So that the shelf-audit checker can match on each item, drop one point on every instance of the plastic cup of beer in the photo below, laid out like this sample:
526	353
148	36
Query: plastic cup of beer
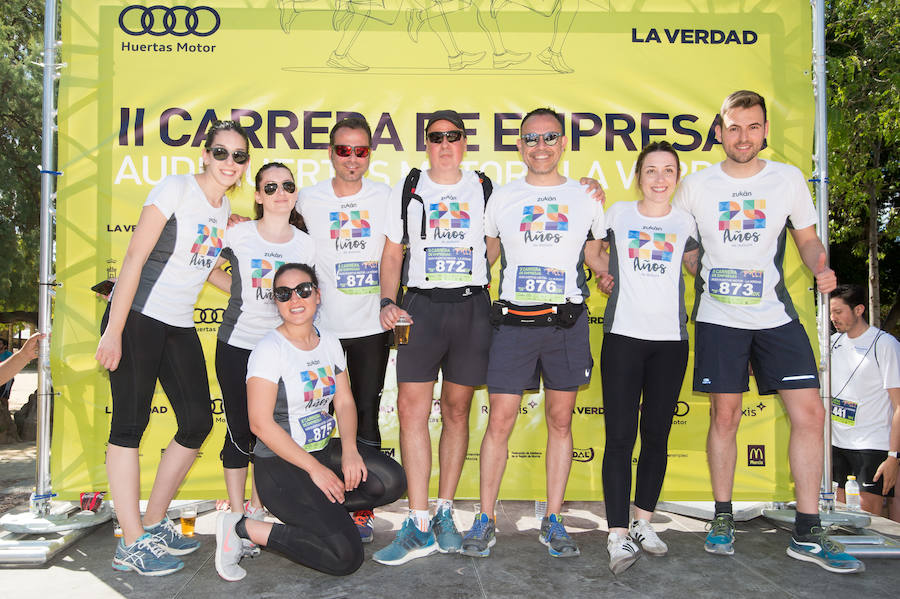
188	520
401	330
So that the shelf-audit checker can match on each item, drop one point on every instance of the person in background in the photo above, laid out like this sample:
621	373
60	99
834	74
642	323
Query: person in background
865	404
11	363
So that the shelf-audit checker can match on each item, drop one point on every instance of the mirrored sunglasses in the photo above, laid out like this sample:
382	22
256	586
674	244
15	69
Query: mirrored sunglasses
437	137
344	151
550	138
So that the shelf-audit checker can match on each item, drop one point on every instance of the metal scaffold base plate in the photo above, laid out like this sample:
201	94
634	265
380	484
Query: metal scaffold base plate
30	540
63	516
862	542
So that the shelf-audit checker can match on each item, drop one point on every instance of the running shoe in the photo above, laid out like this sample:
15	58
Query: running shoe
146	557
445	532
554	536
623	552
229	547
167	535
254	513
478	541
409	544
817	547
363	520
643	533
720	538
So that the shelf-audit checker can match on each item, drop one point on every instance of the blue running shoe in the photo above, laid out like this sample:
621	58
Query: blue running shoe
170	539
363	520
146	557
480	538
817	547
720	538
445	532
409	544
555	537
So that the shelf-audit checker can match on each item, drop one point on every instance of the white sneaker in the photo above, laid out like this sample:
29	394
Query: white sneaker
229	548
254	513
622	552
643	533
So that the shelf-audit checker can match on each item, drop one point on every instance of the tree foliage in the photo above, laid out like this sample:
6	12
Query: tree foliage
21	38
864	141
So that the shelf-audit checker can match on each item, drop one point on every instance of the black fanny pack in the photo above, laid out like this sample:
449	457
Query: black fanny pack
543	315
449	296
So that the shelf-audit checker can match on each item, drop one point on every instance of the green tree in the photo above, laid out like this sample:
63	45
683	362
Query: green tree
21	38
864	144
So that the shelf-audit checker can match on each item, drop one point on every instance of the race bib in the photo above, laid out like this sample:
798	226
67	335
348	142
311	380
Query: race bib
448	264
736	286
357	278
318	428
541	284
843	411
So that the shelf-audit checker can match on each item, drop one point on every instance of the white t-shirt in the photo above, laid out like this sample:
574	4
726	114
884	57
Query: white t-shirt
542	231
306	387
349	236
862	370
743	228
453	253
645	254
184	254
251	311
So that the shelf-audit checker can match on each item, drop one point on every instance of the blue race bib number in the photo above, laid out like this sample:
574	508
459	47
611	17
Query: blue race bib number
736	286
318	428
448	264
843	411
541	284
357	278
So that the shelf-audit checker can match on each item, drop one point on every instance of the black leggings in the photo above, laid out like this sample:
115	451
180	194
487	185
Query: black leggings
317	533
629	367
231	370
154	350
367	359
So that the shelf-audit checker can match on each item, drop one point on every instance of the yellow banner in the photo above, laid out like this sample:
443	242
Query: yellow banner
143	82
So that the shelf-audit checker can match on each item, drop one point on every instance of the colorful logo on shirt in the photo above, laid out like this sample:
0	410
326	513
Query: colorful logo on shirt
449	215
318	384
742	215
262	272
209	241
651	246
549	217
350	224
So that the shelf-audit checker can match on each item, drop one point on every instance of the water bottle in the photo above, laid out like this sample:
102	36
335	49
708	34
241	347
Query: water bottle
540	509
851	490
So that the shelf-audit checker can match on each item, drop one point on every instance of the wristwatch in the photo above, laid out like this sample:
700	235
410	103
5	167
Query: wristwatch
386	301
894	454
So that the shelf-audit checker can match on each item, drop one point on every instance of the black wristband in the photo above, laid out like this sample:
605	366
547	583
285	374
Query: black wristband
386	301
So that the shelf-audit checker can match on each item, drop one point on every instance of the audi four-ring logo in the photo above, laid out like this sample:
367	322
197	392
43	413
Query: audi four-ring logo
175	20
208	315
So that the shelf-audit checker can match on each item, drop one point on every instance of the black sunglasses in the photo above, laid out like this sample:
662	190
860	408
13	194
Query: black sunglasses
303	290
271	187
437	137
550	138
220	153
344	150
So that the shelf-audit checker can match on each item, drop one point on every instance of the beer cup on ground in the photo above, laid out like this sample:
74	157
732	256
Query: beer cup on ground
188	521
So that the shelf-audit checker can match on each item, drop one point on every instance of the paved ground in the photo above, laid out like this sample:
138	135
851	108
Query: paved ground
519	567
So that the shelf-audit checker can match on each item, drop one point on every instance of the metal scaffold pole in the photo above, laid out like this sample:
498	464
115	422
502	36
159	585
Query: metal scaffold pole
35	535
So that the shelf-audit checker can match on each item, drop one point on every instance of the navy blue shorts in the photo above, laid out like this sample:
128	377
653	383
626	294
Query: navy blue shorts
521	356
781	358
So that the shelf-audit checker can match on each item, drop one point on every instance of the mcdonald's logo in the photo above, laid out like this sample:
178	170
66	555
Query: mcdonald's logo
756	455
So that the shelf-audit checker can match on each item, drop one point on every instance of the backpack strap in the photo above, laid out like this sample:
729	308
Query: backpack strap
409	192
486	186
